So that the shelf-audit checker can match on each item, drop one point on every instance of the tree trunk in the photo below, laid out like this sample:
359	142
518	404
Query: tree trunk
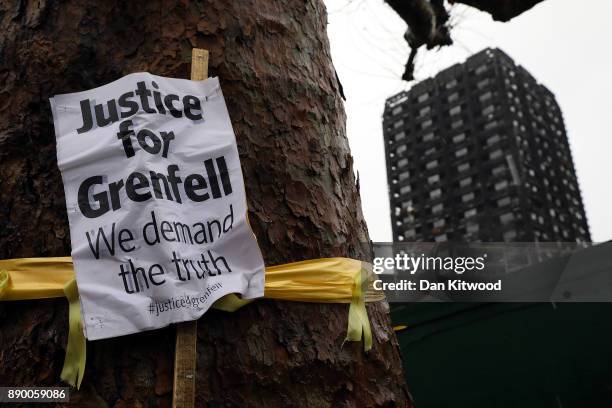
274	63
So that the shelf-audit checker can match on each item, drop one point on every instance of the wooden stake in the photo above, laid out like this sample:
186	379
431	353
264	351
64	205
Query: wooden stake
199	64
185	353
183	393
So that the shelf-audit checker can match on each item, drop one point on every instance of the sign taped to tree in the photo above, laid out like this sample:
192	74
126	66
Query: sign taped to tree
156	202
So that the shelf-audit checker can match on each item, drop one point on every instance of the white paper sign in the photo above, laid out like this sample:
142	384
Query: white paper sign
156	202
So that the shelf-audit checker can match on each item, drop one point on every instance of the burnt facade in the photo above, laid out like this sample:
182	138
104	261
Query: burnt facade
479	153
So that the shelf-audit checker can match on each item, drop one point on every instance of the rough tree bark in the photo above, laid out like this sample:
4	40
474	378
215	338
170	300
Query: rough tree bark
274	62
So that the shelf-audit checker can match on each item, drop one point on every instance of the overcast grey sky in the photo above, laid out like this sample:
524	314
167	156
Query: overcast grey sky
566	46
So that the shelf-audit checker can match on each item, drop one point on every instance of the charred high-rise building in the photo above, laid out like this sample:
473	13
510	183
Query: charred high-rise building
479	153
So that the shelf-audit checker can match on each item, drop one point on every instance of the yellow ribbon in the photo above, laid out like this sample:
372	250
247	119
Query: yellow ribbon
76	351
4	279
36	278
326	280
358	322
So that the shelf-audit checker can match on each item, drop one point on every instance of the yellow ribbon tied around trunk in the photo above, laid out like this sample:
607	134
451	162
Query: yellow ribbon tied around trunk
326	280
